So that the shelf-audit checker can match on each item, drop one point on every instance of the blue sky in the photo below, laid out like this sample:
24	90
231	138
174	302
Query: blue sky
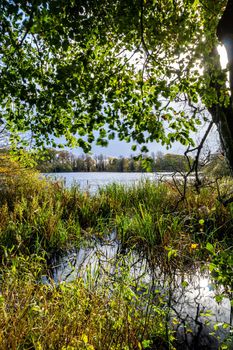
118	148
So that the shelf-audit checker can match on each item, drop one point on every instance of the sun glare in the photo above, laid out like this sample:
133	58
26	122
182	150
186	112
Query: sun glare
223	56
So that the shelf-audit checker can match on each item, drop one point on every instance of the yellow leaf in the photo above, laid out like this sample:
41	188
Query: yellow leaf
195	4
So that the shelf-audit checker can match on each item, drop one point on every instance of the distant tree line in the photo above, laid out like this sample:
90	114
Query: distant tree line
65	161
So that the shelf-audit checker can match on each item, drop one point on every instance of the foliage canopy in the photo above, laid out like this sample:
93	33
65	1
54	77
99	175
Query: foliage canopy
141	69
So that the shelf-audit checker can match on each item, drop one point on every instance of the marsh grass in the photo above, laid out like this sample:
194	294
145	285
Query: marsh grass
40	218
79	314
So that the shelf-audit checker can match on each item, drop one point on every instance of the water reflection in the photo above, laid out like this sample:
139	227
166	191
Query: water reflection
204	282
190	298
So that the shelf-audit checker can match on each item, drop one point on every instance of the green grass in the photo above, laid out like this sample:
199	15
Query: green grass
39	219
39	216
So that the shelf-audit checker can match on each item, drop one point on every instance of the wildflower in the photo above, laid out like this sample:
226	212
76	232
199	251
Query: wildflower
194	246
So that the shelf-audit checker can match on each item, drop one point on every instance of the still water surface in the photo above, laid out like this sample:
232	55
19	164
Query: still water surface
92	181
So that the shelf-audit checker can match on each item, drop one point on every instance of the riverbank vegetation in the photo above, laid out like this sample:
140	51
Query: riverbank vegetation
40	220
39	215
64	161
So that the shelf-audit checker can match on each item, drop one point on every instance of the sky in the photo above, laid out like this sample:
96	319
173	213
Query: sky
118	148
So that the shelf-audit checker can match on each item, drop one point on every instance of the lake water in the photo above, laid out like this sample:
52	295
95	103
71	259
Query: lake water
190	304
92	181
190	296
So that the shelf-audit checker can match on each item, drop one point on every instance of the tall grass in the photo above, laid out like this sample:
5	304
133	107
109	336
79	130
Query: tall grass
40	216
76	315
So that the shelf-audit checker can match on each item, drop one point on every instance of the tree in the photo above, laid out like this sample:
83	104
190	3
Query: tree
171	162
90	163
72	67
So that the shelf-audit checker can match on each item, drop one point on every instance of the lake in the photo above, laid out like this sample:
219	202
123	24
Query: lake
92	181
190	296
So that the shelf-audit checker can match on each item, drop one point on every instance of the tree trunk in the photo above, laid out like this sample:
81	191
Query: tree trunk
223	116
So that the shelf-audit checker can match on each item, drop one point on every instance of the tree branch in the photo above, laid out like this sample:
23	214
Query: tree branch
194	166
28	26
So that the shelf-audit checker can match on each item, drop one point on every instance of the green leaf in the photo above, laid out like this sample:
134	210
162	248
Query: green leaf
184	284
210	247
219	298
146	344
134	147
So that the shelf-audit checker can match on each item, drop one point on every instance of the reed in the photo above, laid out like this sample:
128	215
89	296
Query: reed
40	218
80	314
